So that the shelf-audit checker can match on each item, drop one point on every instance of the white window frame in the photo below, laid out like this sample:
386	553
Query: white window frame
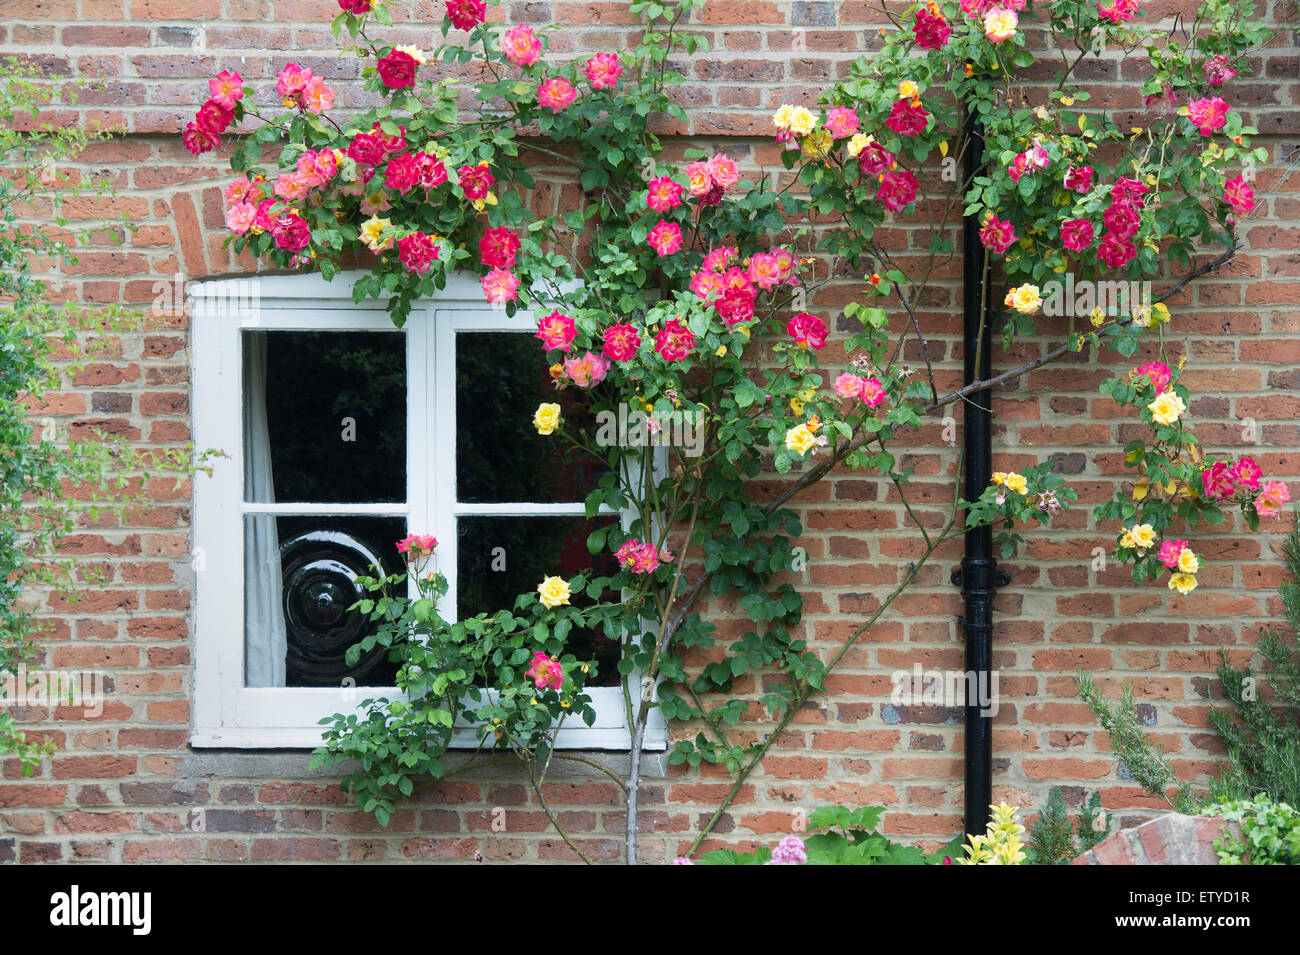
228	714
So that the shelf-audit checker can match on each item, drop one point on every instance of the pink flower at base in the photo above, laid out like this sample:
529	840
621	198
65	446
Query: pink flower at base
1239	195
1246	474
1271	498
1076	234
675	341
789	851
621	342
1159	374
521	46
500	285
1217	482
807	330
1209	113
212	117
545	672
603	71
555	94
1170	552
587	371
557	331
665	193
417	252
665	238
498	248
997	235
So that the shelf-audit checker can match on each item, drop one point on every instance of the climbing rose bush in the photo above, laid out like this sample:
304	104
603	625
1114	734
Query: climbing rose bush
682	291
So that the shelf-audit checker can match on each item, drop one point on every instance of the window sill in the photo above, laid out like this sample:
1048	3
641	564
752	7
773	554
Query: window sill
307	738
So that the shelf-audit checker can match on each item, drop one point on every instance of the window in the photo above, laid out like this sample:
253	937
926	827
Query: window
343	434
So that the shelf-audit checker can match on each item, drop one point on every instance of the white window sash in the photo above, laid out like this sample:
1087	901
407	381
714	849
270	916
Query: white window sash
226	713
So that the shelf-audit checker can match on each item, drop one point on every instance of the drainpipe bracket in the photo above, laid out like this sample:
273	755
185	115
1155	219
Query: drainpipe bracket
1001	578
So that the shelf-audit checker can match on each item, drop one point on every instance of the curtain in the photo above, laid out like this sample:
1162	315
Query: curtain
264	637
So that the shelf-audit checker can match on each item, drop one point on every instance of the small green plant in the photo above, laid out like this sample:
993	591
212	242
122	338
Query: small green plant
1270	832
1143	760
1001	843
1262	736
1052	837
843	836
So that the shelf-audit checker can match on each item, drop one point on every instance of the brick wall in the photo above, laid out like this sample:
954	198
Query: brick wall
126	787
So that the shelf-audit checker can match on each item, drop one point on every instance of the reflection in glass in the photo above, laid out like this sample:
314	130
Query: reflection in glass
499	558
500	457
319	561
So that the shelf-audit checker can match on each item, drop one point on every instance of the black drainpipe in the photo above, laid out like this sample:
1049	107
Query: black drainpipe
978	576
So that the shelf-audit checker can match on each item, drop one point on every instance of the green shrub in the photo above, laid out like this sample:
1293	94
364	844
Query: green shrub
1270	832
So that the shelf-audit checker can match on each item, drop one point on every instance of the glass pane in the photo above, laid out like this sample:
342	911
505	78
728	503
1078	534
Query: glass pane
300	579
501	378
500	558
325	417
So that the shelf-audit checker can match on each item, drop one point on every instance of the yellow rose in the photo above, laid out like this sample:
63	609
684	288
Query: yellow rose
817	145
1024	299
1017	483
857	143
554	592
799	439
802	121
1188	562
1126	540
907	89
999	477
1167	408
1182	582
1144	536
781	118
546	418
371	230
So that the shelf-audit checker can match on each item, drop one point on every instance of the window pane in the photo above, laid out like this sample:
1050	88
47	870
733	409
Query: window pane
500	457
500	558
325	415
300	579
